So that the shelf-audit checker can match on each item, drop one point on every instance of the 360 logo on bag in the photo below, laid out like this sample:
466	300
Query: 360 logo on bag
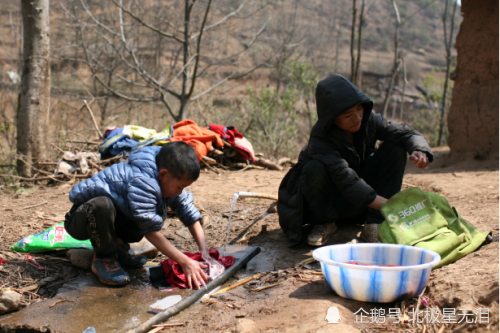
411	210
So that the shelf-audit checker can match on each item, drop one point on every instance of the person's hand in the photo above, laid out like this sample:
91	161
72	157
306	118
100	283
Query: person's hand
378	202
420	159
194	273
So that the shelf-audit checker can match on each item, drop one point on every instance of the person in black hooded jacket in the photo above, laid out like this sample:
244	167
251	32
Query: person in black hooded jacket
340	174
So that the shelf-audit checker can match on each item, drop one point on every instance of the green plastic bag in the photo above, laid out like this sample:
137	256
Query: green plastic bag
54	238
426	220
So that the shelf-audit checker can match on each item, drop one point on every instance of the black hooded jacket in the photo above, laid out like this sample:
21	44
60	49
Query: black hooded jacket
330	145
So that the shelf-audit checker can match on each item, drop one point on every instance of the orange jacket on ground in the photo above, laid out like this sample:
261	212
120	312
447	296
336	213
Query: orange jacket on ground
197	137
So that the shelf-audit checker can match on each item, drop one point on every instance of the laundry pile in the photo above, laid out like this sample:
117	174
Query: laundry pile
215	145
169	275
203	140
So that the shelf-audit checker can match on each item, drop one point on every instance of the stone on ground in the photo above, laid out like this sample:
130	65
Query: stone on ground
9	301
144	248
80	258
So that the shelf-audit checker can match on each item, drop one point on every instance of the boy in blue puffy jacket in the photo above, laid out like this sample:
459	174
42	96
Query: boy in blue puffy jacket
127	201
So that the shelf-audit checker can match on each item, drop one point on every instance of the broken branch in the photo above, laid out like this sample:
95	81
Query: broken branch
210	167
93	119
60	301
169	325
208	160
43	203
265	287
237	284
268	164
45	178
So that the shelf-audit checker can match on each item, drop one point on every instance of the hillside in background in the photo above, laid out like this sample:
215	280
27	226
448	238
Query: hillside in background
285	46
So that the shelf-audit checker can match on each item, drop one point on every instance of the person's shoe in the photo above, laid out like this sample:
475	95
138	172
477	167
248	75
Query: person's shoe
109	271
128	260
320	234
370	233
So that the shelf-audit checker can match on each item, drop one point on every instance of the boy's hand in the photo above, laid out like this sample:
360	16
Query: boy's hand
420	159
192	269
194	273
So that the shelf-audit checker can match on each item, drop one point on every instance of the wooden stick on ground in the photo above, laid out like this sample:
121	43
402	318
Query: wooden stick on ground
235	294
245	168
63	282
19	157
259	195
85	142
45	178
237	284
214	151
4	231
268	164
43	203
60	301
62	151
93	119
47	163
110	160
266	287
209	166
284	160
209	160
306	261
157	329
27	292
169	325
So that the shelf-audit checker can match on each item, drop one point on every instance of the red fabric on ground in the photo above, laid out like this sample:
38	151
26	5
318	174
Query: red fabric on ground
231	136
176	277
197	137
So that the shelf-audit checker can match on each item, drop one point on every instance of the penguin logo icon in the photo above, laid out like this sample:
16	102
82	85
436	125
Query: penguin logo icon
332	315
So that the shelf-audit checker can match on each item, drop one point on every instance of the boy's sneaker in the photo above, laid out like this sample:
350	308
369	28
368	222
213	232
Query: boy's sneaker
128	260
370	233
320	234
109	271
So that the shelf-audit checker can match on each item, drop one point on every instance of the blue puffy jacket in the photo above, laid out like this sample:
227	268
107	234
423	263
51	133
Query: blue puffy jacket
134	189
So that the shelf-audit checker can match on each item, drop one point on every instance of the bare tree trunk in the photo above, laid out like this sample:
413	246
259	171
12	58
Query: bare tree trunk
32	120
358	56
353	33
396	58
447	43
104	106
403	94
338	38
393	114
337	45
188	5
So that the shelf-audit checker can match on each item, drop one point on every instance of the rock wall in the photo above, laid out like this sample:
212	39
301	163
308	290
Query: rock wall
473	115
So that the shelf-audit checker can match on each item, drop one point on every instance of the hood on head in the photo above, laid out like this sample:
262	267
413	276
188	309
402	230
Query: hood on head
335	95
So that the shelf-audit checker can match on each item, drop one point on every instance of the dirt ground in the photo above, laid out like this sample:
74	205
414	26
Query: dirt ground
300	300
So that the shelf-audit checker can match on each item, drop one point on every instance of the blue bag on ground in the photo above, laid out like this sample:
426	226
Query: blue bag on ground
53	238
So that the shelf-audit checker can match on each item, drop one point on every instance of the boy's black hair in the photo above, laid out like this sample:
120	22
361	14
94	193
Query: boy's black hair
179	159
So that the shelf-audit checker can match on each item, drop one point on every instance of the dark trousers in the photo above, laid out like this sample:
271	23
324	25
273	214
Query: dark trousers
324	203
99	221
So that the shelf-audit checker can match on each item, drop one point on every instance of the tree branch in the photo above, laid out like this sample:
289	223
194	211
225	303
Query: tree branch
198	46
145	24
221	21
